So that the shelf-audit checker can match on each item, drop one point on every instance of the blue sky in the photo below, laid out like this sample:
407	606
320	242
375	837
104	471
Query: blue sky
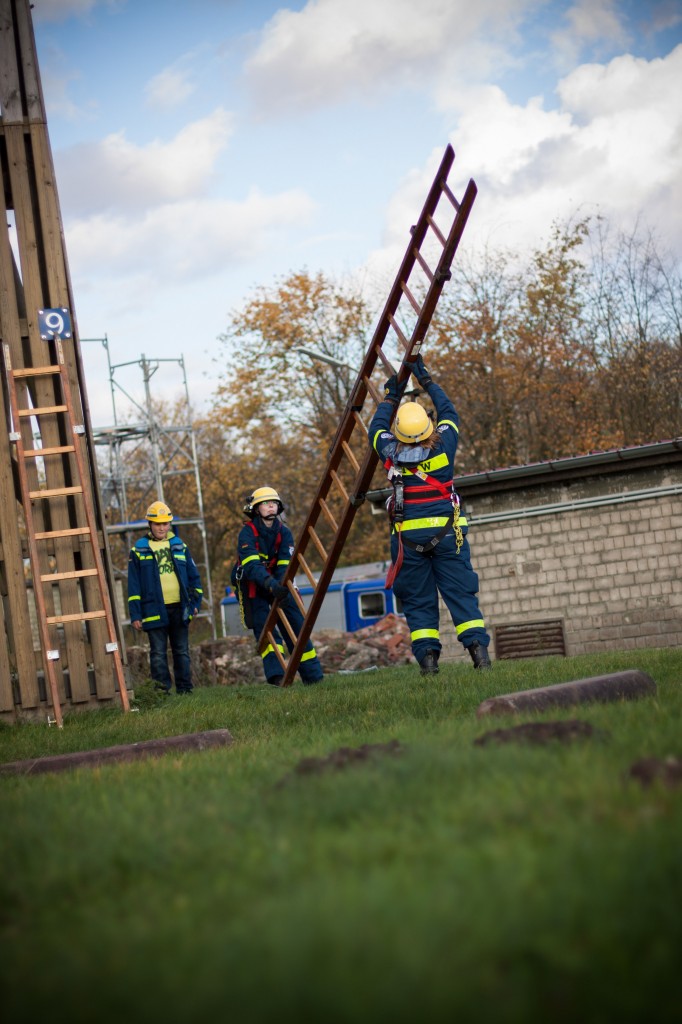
206	148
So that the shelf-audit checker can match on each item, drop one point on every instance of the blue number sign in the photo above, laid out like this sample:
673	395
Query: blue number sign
54	323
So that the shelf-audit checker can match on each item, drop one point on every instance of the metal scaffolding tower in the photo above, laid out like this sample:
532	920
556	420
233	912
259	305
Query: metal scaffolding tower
143	458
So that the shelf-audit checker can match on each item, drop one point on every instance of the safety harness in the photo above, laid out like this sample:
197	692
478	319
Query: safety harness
250	586
396	511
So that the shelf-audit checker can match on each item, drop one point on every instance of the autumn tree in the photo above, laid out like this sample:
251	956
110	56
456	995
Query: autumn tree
573	349
277	410
636	329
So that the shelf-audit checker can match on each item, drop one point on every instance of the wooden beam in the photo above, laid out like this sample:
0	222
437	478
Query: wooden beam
124	752
629	685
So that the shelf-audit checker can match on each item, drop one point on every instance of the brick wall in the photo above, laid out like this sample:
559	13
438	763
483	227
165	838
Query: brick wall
612	573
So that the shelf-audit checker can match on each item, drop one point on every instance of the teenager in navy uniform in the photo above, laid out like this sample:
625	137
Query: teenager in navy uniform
164	595
429	548
264	549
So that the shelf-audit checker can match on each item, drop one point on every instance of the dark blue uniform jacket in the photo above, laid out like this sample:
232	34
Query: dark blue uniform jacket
145	595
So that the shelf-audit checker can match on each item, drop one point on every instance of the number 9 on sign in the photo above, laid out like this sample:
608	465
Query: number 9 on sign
54	323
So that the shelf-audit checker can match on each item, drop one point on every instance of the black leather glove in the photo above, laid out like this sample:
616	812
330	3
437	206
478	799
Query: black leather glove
420	372
278	589
393	391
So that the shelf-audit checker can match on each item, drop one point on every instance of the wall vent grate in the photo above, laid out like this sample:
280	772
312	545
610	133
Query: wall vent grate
530	639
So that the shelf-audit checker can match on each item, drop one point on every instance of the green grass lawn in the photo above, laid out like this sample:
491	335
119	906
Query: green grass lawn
443	881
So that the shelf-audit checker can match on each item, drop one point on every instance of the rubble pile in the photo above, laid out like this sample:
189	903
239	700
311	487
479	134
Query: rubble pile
234	660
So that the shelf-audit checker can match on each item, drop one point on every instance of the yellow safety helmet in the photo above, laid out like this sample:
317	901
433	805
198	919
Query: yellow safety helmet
260	495
412	424
158	512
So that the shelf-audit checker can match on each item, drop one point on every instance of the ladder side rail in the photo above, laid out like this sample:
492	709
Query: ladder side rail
34	557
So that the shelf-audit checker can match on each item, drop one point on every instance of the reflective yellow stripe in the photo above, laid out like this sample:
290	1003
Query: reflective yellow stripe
309	654
134	597
430	523
283	561
271	650
473	624
429	465
424	634
251	558
152	618
450	424
374	442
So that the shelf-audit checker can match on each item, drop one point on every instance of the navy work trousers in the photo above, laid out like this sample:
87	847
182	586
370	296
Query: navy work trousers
420	579
310	669
177	634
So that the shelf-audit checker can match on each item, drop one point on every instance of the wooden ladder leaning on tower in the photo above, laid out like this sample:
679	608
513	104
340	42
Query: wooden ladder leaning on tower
38	541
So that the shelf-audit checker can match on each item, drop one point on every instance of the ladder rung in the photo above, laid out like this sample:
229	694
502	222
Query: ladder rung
52	577
42	411
450	196
386	361
360	423
374	392
55	492
413	302
35	453
423	264
307	571
396	327
436	230
339	483
79	531
318	543
350	455
328	515
78	617
35	371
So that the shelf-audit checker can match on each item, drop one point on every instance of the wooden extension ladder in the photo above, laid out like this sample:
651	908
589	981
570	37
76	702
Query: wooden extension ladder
440	227
91	555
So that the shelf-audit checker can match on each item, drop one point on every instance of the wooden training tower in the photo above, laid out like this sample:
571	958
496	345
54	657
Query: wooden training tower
61	645
348	475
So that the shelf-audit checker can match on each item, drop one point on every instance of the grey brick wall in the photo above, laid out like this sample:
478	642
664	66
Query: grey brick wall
611	573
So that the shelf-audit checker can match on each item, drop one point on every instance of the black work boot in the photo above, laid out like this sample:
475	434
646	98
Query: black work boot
429	663
479	655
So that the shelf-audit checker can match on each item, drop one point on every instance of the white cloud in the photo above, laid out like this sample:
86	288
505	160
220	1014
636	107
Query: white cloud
115	174
613	147
589	21
183	241
333	49
169	88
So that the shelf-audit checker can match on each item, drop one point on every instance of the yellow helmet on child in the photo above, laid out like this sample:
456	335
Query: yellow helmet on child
260	495
412	423
158	512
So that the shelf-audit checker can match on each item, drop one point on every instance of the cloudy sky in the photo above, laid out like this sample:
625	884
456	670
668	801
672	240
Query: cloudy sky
206	148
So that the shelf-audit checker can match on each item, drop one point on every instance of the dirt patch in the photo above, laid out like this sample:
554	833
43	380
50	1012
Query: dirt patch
342	758
649	770
539	733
